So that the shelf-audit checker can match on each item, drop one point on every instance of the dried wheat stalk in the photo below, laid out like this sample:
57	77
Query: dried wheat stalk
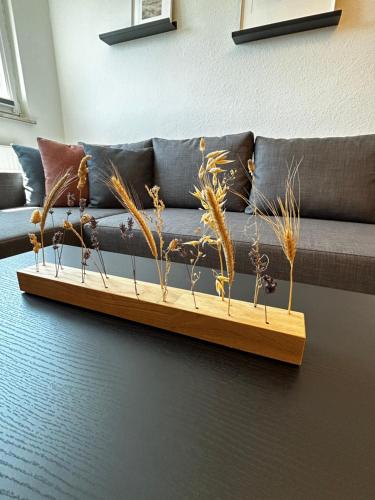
284	218
83	172
118	188
61	184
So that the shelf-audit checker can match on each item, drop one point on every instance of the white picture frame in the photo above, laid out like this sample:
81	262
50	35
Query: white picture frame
146	11
262	12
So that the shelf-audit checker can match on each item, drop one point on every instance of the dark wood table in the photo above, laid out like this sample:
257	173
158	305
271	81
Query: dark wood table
93	407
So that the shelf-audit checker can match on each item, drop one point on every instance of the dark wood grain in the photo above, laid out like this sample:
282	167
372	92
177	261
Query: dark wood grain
97	407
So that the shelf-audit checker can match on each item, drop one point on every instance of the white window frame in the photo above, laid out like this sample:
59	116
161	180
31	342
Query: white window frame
7	54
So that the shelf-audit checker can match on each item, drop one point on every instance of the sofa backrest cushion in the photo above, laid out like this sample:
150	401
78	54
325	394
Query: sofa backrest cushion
57	159
336	175
134	166
133	146
11	190
177	163
33	174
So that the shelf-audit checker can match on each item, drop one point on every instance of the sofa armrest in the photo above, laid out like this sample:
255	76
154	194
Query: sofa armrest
11	190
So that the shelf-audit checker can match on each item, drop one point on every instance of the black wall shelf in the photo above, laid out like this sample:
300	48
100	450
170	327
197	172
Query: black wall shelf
138	31
286	27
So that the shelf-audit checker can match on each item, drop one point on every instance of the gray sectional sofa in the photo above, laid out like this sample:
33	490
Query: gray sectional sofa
15	217
332	252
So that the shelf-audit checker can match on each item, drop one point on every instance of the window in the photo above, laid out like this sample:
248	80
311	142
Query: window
8	160
8	82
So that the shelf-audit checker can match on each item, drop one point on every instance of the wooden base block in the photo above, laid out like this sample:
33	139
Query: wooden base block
283	338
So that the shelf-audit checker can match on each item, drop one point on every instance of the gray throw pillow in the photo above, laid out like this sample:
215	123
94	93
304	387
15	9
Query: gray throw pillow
177	163
337	175
135	168
33	174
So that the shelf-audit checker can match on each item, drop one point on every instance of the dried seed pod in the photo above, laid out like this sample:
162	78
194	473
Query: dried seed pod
36	217
85	219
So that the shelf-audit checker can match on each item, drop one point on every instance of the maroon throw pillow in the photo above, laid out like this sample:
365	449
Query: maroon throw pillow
57	158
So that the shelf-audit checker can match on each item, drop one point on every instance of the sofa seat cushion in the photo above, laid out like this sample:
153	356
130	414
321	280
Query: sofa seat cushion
331	253
15	226
336	174
177	163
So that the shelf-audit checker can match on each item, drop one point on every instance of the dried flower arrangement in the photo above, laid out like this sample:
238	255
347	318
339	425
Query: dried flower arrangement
283	216
269	287
94	239
125	197
212	194
160	254
56	244
40	217
60	186
260	261
82	179
86	253
36	247
214	184
193	251
161	264
127	233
